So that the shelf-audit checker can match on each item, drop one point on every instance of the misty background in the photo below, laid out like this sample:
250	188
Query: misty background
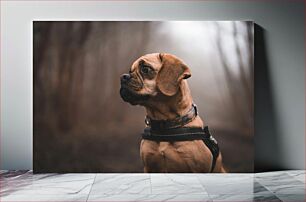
82	125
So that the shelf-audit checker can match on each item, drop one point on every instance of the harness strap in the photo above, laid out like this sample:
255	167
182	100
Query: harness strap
185	134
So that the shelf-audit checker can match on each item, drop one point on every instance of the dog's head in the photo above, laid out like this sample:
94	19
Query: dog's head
152	75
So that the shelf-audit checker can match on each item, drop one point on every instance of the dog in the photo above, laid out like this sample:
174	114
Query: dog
158	82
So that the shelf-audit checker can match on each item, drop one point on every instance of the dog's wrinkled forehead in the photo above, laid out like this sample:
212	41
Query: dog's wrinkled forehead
152	59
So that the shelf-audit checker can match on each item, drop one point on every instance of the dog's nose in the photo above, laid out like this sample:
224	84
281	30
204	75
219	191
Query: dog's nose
125	77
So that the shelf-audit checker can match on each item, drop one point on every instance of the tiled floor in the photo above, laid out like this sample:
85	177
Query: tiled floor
272	186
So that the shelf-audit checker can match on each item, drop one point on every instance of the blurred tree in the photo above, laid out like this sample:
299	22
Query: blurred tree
77	66
240	87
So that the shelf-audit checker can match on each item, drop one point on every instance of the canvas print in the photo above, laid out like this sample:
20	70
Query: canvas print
143	96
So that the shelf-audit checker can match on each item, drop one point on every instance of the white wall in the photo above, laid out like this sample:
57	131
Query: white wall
283	22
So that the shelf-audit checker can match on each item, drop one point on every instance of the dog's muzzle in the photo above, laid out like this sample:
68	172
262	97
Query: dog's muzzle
129	95
125	78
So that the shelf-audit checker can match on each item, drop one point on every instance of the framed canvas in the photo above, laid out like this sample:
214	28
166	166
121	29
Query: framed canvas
85	121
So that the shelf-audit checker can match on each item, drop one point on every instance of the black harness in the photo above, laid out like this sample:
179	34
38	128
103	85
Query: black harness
173	130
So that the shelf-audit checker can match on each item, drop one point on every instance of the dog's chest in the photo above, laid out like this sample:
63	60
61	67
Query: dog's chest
173	157
151	150
163	146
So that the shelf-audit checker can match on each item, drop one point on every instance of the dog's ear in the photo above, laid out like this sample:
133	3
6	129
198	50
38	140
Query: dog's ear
172	72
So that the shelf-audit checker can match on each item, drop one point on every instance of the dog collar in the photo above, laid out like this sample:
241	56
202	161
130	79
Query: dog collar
180	121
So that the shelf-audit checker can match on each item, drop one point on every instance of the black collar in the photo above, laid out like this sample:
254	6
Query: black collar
180	121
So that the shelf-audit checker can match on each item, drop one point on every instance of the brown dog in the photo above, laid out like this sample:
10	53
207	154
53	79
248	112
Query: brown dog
158	82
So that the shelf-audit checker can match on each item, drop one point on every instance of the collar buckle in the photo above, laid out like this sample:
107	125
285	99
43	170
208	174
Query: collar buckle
195	109
147	121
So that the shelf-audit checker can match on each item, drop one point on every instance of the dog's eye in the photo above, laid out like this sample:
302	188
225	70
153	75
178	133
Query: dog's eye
145	69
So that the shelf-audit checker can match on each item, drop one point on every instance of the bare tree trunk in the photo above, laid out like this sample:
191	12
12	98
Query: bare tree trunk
244	78
234	102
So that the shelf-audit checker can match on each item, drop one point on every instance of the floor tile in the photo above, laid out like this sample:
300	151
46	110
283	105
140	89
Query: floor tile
121	184
258	188
3	171
43	198
261	193
150	197
231	197
282	184
48	184
265	196
288	189
273	173
291	197
226	184
298	175
276	175
176	184
15	180
295	171
285	185
14	172
271	186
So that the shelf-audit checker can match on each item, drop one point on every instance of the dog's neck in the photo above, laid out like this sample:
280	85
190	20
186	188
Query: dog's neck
177	105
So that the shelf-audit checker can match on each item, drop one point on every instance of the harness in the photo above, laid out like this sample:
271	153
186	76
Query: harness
173	130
